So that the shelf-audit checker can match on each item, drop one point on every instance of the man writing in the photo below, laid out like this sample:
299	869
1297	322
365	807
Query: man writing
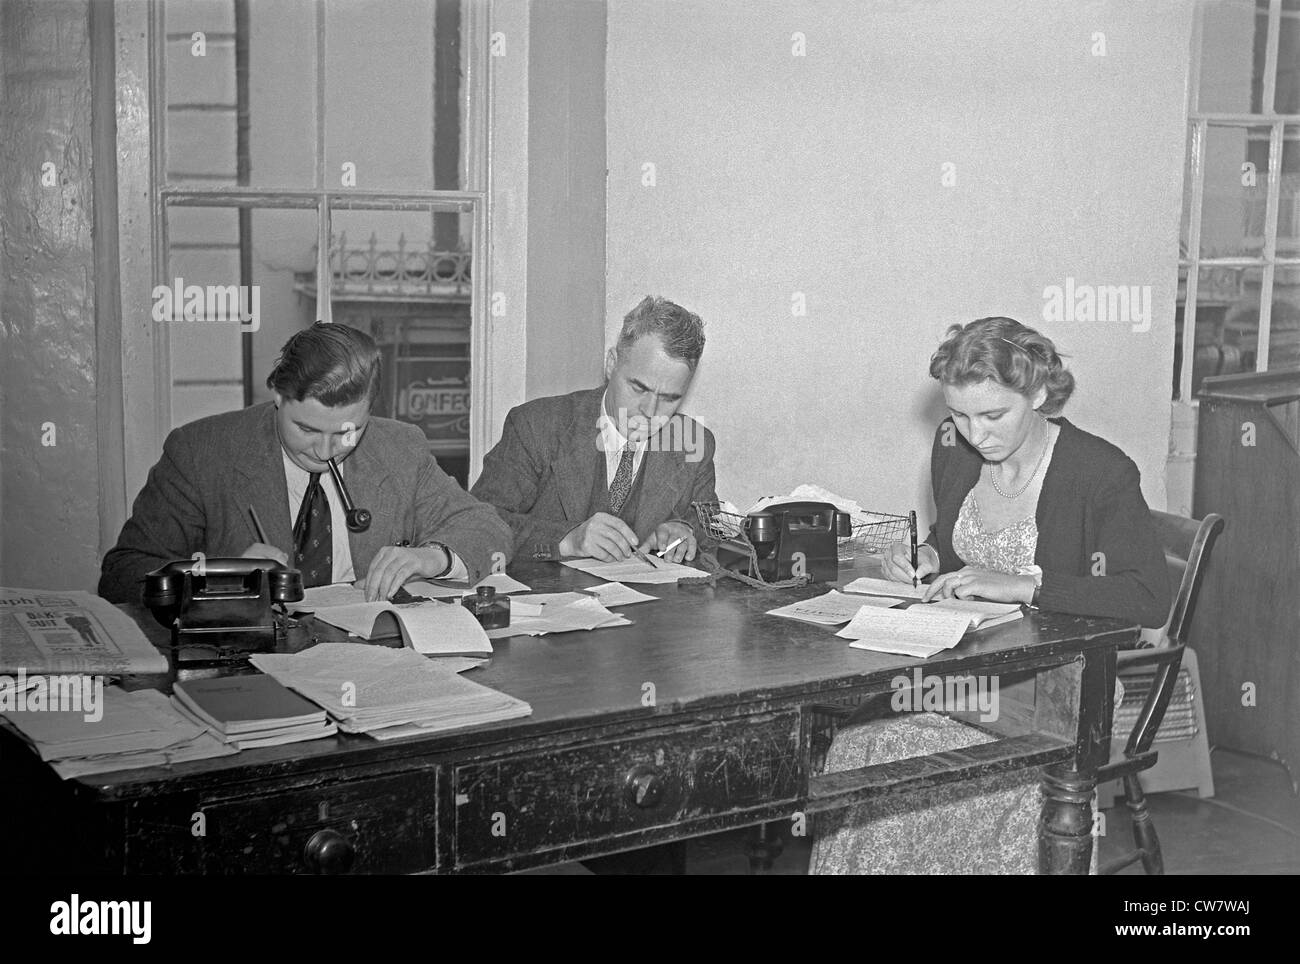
221	477
613	470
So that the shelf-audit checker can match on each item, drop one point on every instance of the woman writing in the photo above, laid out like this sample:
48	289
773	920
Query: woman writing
1030	509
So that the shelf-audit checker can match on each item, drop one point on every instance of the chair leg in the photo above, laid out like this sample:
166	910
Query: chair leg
1144	831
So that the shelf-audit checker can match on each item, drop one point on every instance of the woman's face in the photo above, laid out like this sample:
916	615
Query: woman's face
995	419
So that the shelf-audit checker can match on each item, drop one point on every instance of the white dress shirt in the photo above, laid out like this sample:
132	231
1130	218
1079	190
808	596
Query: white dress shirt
612	441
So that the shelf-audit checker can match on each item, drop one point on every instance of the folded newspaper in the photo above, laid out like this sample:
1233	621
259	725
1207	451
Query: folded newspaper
69	631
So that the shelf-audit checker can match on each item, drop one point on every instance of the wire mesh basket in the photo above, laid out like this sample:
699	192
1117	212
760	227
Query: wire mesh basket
874	535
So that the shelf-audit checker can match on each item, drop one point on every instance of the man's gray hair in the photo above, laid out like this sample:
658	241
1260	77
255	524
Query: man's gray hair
681	331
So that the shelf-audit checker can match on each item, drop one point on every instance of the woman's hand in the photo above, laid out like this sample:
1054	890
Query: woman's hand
970	582
897	563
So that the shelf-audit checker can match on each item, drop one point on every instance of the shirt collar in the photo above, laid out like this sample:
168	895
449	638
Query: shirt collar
611	439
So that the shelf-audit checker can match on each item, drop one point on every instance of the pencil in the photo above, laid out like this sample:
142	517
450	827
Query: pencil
257	524
911	525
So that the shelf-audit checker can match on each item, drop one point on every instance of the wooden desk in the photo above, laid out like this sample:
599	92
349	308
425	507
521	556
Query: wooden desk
696	719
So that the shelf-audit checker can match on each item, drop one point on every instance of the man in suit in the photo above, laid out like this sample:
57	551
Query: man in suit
610	470
271	458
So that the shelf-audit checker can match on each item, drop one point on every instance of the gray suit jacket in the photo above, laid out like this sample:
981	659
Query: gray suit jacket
196	499
540	476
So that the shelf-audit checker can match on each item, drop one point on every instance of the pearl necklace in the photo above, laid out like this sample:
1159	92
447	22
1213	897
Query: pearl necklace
1023	489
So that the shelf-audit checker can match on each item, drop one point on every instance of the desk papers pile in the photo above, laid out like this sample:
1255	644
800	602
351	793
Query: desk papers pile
557	612
388	692
137	729
67	631
635	570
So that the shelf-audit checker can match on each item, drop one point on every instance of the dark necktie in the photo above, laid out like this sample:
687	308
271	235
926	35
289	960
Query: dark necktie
313	537
622	483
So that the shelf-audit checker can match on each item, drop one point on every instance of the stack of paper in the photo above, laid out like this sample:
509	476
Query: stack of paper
388	692
251	710
557	612
815	493
919	631
635	570
137	729
830	609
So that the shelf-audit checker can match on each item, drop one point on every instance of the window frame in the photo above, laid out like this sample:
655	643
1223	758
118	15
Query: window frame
144	198
1199	123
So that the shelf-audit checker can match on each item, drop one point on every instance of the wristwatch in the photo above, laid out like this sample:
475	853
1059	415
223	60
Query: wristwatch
451	560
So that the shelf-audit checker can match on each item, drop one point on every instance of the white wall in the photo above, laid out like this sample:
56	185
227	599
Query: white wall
821	175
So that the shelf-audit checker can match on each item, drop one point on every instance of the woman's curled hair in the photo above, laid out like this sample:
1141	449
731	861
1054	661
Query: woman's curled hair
1011	354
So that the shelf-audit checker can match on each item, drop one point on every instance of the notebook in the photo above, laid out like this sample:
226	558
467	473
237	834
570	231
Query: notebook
246	704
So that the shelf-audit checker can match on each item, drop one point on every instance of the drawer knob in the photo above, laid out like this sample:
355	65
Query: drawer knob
644	787
328	852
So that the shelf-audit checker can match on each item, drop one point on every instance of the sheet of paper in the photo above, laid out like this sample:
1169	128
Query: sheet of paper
981	613
634	570
617	594
501	583
884	587
582	613
830	609
522	607
327	597
923	627
435	628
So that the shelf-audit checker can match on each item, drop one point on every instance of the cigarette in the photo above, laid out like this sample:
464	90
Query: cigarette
672	545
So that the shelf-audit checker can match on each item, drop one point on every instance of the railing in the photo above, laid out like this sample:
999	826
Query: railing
401	273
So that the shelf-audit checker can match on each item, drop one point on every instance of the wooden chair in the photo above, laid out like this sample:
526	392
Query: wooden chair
1187	544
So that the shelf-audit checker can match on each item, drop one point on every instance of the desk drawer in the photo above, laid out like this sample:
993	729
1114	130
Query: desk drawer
524	804
385	824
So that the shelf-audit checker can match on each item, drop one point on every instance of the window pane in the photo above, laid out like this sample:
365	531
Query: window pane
1227	322
379	57
392	278
1284	327
282	93
1236	192
200	81
1287	98
206	248
1288	209
1228	42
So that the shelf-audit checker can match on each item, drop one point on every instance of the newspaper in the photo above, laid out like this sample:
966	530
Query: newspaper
69	631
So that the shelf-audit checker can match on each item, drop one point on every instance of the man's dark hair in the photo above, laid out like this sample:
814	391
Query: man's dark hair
334	364
681	331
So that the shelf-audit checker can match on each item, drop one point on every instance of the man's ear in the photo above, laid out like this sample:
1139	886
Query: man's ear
278	399
611	361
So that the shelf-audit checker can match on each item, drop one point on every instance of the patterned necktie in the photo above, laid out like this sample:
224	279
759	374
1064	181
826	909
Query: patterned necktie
622	484
313	536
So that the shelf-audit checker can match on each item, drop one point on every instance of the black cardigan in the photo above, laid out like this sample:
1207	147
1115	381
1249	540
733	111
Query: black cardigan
1091	502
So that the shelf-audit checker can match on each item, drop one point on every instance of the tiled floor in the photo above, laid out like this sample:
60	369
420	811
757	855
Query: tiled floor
1225	835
